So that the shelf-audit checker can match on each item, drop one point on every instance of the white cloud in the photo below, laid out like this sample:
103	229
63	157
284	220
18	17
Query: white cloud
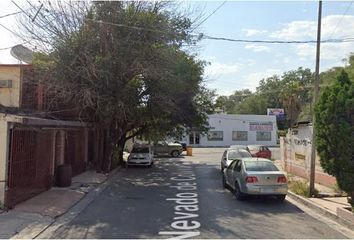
253	32
258	48
254	78
307	30
296	30
329	51
216	68
333	27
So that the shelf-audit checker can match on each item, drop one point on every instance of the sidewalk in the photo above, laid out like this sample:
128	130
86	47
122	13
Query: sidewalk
331	204
29	218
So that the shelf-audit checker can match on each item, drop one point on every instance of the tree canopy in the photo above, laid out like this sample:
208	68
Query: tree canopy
335	131
126	65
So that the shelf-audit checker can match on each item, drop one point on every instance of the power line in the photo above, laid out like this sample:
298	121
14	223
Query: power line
6	48
21	8
349	39
345	13
10	14
14	33
222	4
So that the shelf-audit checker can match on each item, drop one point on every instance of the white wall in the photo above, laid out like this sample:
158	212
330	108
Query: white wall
4	132
232	122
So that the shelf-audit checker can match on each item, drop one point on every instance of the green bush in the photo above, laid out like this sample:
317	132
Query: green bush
335	132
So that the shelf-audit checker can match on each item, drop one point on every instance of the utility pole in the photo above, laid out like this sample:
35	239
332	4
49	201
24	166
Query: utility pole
315	98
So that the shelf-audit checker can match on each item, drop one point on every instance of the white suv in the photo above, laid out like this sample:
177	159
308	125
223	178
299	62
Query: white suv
141	155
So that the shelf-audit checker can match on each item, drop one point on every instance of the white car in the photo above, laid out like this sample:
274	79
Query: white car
141	155
232	154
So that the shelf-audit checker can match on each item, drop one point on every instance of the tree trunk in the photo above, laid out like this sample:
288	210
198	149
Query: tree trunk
107	159
120	148
351	194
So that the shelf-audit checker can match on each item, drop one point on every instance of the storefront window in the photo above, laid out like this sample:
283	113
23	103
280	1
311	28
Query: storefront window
264	136
239	135
215	136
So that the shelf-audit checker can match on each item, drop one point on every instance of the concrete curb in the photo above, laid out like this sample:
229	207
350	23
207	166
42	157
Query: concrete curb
320	210
45	230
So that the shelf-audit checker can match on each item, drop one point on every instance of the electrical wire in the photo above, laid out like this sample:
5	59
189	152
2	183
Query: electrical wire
344	14
222	4
6	48
10	14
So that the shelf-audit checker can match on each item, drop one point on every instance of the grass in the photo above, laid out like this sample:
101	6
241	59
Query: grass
300	188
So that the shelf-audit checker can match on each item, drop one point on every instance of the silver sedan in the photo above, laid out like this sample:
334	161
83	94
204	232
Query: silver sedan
255	176
231	154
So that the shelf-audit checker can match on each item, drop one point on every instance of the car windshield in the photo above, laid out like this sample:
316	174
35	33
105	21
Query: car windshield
253	147
238	154
141	150
238	146
260	166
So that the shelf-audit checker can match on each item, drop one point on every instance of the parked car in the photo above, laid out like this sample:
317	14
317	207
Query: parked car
141	155
260	151
255	176
244	147
165	148
184	145
231	155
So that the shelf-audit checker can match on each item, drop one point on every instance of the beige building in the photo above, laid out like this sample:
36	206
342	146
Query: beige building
10	85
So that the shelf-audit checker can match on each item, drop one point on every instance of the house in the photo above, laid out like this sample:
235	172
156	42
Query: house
34	141
235	129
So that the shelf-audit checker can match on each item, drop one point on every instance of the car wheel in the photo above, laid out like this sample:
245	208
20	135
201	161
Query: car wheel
224	184
281	198
237	192
175	153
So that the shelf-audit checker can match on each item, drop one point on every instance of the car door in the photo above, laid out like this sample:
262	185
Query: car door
159	148
229	173
236	173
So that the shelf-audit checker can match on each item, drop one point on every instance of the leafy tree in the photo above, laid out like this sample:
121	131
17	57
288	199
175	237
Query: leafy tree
125	64
335	131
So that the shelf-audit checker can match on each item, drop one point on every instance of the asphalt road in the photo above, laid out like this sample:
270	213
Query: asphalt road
183	197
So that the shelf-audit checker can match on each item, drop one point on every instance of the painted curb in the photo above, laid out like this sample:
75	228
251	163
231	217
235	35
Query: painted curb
321	210
45	230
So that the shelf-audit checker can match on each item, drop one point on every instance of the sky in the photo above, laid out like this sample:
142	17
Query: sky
234	66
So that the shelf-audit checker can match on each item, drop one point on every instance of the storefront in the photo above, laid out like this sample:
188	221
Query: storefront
232	129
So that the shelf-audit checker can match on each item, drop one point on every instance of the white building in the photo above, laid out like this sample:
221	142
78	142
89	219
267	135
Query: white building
233	129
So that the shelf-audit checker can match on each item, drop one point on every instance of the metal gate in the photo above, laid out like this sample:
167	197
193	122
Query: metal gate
30	164
75	151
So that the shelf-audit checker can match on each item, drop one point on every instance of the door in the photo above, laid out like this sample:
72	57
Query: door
229	173
236	172
194	138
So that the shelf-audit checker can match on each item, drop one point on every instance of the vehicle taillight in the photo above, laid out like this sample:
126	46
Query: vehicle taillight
282	179
251	179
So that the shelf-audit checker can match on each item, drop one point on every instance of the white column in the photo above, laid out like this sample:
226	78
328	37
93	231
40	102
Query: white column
4	156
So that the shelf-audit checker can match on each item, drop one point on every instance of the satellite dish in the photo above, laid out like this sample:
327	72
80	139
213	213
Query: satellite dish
22	53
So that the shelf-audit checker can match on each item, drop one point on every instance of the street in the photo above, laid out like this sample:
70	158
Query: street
183	197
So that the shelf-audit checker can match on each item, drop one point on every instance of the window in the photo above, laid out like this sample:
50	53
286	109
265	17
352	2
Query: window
215	135
264	136
238	154
232	165
260	166
239	135
237	167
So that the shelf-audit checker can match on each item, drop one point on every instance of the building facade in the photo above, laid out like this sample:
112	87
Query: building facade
235	129
38	133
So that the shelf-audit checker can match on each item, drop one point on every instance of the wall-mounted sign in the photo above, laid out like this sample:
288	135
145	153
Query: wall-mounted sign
261	126
278	112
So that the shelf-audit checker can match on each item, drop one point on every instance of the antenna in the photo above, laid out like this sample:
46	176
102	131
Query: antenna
22	53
